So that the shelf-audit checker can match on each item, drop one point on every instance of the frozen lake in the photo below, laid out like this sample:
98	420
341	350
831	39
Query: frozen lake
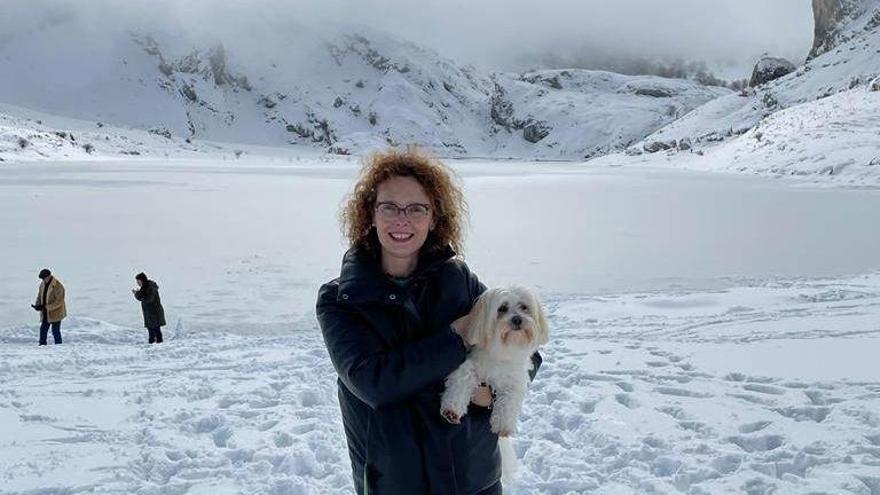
243	246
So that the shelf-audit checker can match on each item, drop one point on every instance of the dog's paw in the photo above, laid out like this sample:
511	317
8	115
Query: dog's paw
451	416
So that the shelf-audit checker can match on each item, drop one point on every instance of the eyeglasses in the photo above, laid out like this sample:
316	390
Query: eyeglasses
412	211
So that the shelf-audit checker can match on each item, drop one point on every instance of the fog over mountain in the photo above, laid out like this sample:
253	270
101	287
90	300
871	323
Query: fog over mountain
491	34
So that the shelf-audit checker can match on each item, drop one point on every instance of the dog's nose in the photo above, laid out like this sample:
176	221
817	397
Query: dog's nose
516	320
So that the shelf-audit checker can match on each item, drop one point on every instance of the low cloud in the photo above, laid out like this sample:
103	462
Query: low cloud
495	34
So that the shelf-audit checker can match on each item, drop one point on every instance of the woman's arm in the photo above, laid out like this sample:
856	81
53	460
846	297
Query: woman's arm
376	375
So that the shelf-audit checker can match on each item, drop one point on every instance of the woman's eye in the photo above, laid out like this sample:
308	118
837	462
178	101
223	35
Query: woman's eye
387	209
502	309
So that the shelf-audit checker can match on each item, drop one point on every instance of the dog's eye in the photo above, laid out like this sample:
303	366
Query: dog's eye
523	307
502	309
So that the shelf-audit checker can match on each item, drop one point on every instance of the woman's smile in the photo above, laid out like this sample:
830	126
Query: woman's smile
401	236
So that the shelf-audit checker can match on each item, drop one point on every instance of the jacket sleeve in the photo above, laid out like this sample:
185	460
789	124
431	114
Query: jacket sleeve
536	363
376	375
57	298
475	287
145	294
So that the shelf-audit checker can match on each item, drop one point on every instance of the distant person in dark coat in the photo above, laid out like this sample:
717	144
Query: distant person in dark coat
50	304
154	316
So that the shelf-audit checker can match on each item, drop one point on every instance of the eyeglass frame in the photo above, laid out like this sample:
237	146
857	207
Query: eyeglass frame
402	209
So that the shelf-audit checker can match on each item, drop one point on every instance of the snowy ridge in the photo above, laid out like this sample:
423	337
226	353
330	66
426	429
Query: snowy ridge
788	105
341	89
766	387
832	137
838	21
350	90
582	113
853	64
832	141
26	135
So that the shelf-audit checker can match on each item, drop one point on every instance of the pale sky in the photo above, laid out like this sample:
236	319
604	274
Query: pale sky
494	34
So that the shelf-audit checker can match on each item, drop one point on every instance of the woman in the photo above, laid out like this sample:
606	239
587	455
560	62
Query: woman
394	322
151	305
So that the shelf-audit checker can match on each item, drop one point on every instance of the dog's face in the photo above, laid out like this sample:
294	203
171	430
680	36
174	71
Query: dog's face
505	318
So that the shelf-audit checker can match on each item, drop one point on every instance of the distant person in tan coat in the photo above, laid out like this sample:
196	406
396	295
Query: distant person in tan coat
50	304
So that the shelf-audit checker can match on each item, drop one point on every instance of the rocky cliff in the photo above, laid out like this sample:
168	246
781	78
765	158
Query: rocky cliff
837	21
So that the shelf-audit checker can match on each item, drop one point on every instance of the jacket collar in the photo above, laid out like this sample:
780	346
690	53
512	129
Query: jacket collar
361	278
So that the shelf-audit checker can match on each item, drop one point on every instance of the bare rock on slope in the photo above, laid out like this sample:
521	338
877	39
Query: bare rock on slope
770	68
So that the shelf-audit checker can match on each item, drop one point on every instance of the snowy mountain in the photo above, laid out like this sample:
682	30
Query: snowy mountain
851	65
838	21
786	126
340	89
153	89
27	135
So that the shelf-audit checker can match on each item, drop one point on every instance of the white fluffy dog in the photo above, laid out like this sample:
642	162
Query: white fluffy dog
507	326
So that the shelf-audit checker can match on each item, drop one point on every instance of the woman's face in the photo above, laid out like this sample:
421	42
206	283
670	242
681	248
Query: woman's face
402	235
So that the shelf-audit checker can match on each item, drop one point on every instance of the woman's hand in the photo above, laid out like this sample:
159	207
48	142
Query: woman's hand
482	396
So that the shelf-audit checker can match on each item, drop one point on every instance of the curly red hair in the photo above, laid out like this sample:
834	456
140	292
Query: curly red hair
440	183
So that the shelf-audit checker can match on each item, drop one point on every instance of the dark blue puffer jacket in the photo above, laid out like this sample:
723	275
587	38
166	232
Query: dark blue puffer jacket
392	348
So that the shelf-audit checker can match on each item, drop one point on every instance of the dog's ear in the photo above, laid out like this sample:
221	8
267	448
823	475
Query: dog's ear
542	332
482	320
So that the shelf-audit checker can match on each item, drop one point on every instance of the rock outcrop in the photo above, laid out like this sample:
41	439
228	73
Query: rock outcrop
536	130
501	109
210	64
832	19
770	68
826	17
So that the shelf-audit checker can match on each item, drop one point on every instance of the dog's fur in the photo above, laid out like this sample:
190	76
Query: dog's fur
507	326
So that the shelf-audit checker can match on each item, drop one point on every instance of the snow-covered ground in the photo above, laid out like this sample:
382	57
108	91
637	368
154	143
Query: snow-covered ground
763	388
766	388
705	336
832	142
28	136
